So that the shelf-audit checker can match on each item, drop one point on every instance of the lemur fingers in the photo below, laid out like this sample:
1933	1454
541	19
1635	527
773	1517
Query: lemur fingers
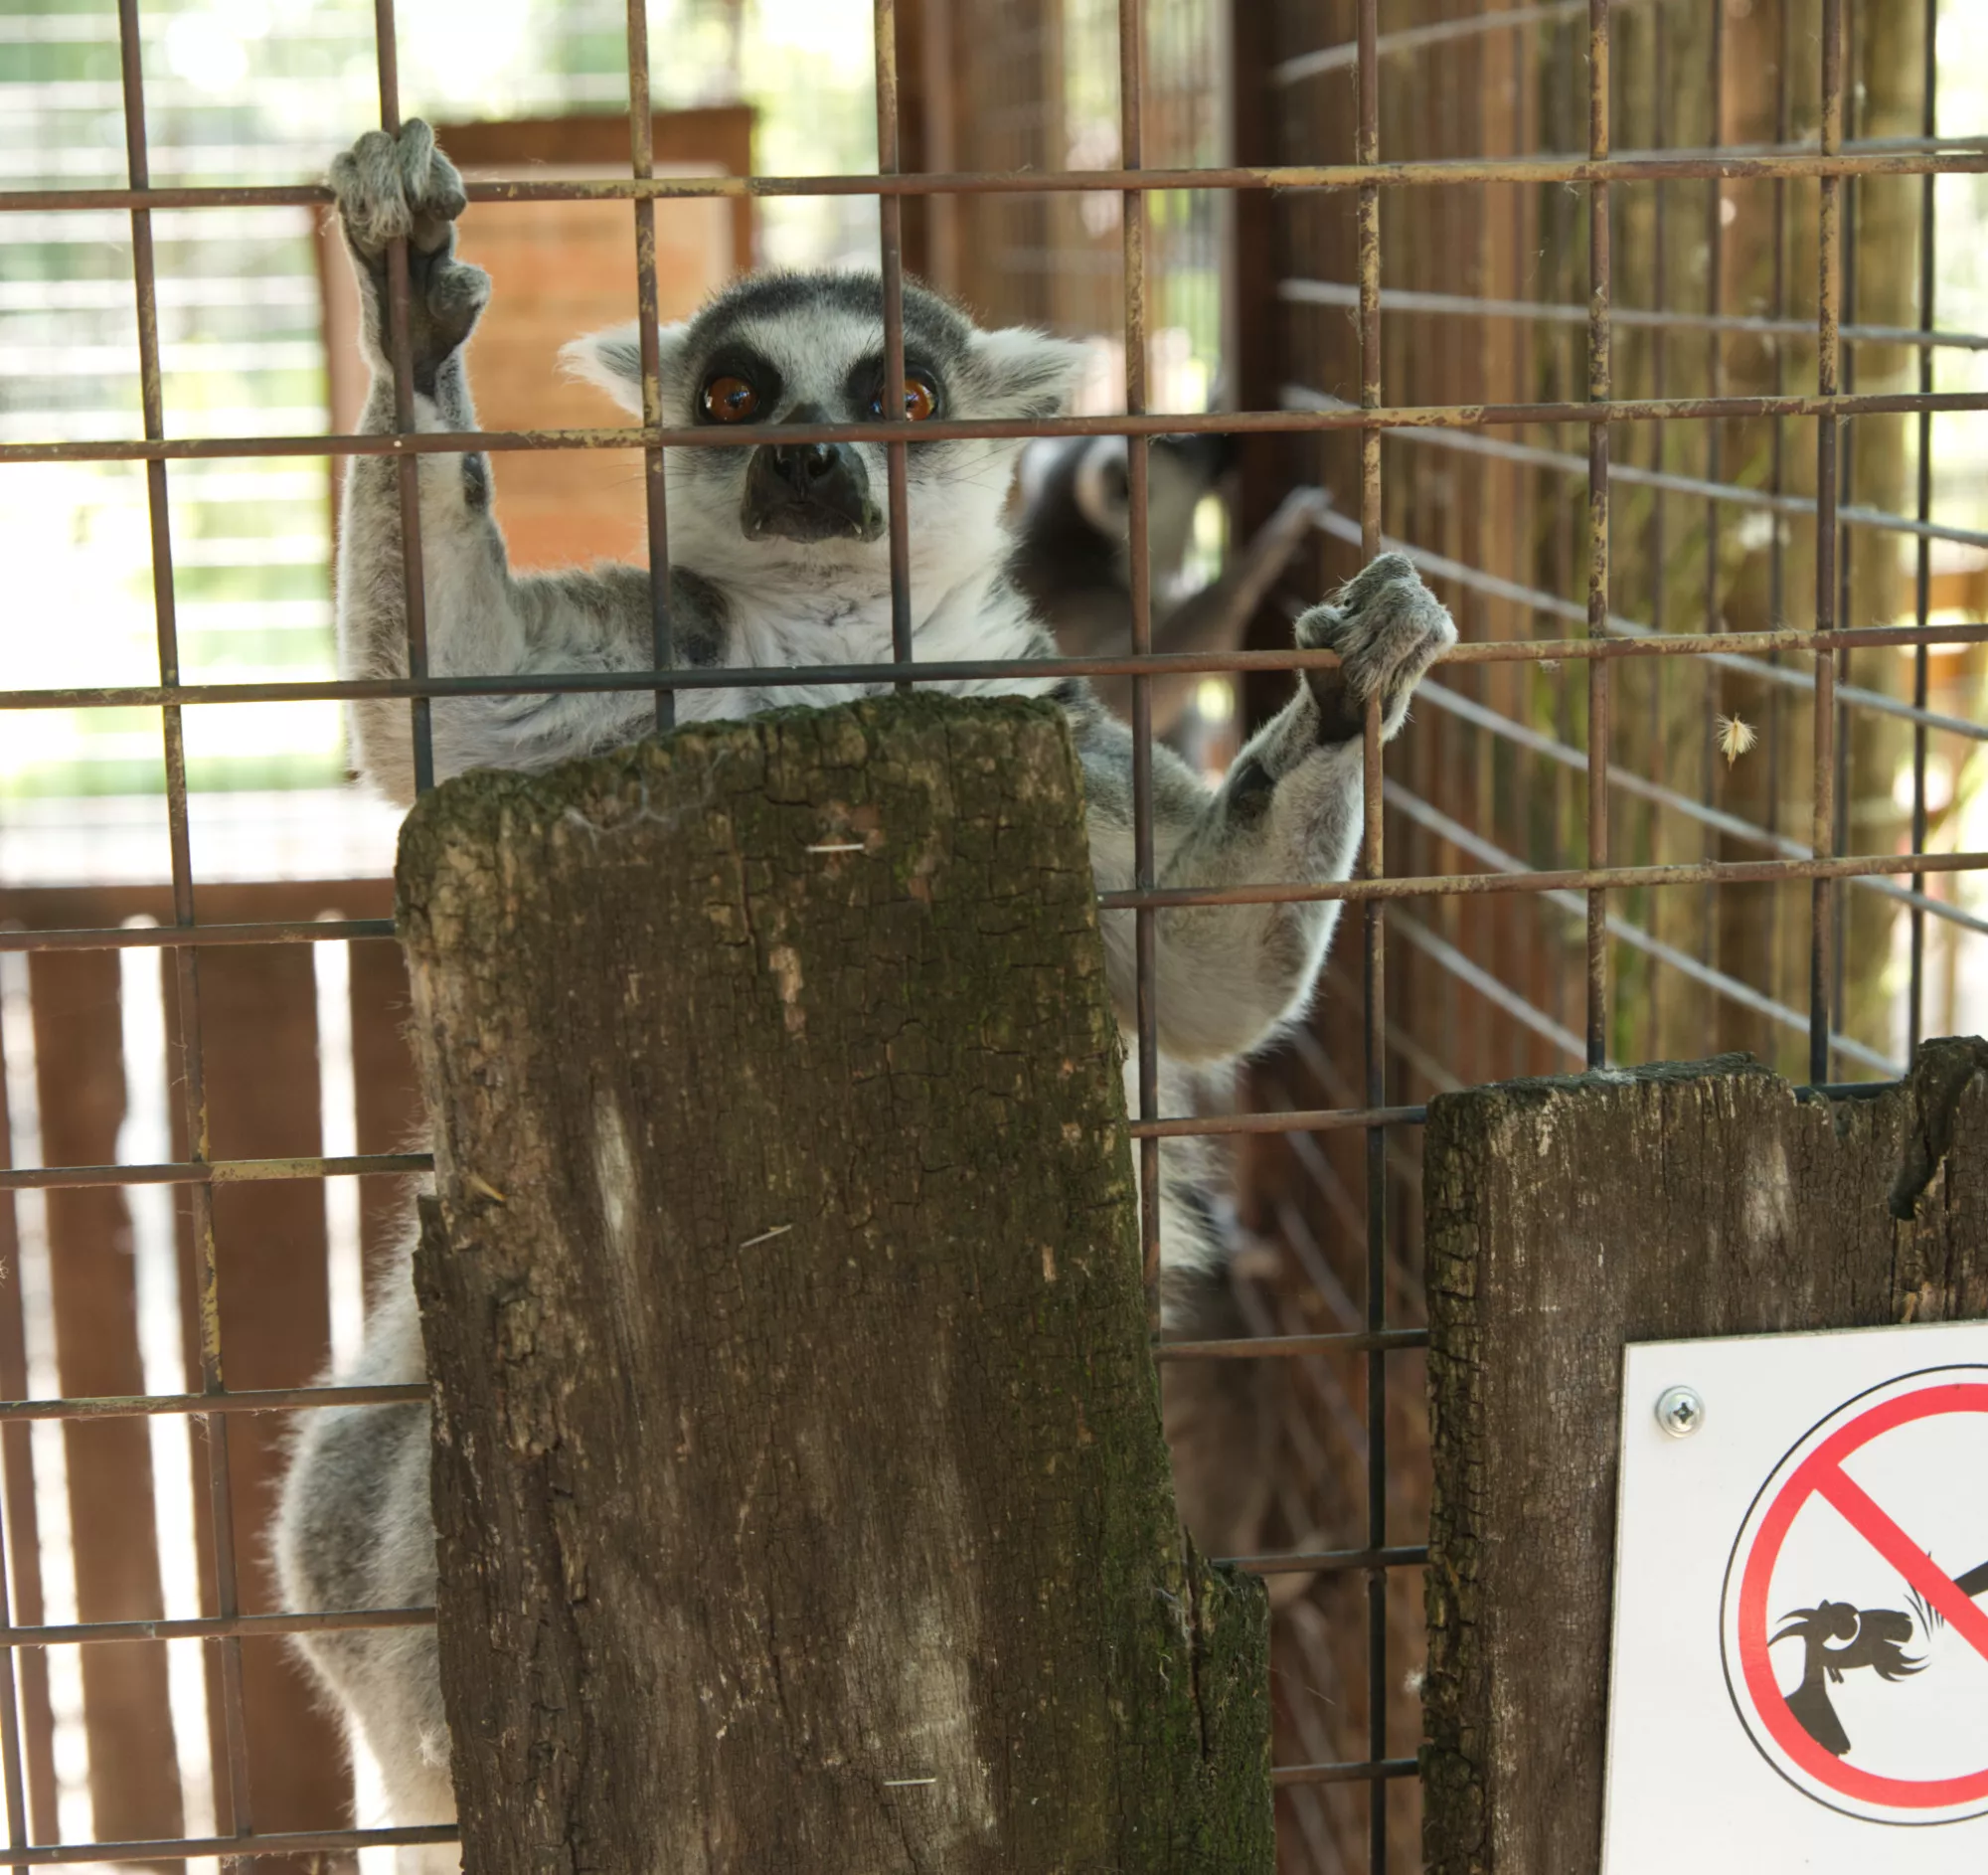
390	187
1388	628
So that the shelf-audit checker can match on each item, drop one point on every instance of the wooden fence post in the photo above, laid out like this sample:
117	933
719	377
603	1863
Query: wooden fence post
1564	1219
801	1497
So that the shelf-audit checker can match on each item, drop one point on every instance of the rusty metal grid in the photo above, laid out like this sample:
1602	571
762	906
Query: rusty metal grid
1604	640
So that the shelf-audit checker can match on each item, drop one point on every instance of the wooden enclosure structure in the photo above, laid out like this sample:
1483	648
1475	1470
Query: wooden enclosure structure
799	1482
1672	1203
261	1005
1357	301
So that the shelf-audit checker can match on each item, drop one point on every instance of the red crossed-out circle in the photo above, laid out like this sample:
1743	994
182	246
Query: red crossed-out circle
1821	1474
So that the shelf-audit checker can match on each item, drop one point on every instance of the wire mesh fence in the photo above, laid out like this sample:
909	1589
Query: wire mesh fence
1589	885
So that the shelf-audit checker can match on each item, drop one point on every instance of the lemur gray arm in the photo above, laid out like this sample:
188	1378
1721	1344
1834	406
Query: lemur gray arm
481	620
1288	811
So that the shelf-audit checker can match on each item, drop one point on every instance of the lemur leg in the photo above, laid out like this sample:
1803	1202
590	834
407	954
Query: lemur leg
480	621
1289	811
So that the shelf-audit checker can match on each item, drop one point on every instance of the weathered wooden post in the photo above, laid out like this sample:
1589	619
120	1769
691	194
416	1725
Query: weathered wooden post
1565	1219
800	1482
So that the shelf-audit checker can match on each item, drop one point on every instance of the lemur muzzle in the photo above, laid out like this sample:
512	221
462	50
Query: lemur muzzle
810	491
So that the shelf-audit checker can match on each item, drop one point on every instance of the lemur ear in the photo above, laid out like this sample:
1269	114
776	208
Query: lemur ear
613	360
1024	373
1101	485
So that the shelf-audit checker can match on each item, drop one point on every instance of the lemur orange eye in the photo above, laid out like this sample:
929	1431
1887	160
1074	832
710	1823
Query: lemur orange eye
729	400
920	397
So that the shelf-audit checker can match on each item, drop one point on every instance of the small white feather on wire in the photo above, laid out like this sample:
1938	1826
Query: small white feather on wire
1736	738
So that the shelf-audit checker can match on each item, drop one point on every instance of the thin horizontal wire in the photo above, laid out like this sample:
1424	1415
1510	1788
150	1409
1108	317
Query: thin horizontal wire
167	937
1572	879
260	1400
216	1628
1469	972
1331	415
1450	701
1635	936
1633	639
234	1848
401	1164
1317	1119
1286	1346
1863	699
1185	1127
1737	493
1358	1771
89	29
1472	305
1719	648
411	1393
1907	157
213	1171
1346	54
1329	1562
1712	872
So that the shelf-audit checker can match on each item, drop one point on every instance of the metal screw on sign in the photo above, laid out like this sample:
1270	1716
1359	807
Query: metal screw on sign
1680	1412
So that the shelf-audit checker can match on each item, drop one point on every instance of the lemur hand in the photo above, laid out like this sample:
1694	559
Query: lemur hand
405	185
1388	628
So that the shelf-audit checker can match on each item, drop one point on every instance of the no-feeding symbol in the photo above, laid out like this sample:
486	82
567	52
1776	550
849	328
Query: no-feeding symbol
1855	1614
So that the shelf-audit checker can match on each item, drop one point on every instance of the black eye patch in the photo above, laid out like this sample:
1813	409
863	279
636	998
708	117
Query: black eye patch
737	365
925	390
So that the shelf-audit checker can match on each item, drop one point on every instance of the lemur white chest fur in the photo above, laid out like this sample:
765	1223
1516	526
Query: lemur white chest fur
833	613
781	561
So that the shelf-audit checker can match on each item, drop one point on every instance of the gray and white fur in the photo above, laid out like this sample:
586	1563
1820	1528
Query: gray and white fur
778	560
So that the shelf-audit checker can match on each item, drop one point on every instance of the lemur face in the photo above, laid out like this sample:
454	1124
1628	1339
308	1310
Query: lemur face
808	348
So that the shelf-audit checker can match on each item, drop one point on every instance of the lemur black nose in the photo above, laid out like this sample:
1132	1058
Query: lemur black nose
809	491
805	463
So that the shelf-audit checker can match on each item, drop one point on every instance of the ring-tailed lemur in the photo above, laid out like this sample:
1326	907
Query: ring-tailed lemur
778	559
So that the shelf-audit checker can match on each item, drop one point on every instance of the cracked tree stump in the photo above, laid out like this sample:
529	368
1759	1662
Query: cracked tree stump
801	1497
1564	1219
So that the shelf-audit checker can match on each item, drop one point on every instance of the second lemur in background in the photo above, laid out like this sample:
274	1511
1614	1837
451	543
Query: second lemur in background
1072	555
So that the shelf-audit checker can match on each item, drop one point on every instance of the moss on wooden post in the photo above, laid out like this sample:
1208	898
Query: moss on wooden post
801	1497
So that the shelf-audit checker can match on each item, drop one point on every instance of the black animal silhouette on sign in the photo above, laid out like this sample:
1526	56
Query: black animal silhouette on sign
1837	1639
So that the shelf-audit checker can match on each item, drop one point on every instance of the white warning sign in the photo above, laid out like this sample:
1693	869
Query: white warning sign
1800	1671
